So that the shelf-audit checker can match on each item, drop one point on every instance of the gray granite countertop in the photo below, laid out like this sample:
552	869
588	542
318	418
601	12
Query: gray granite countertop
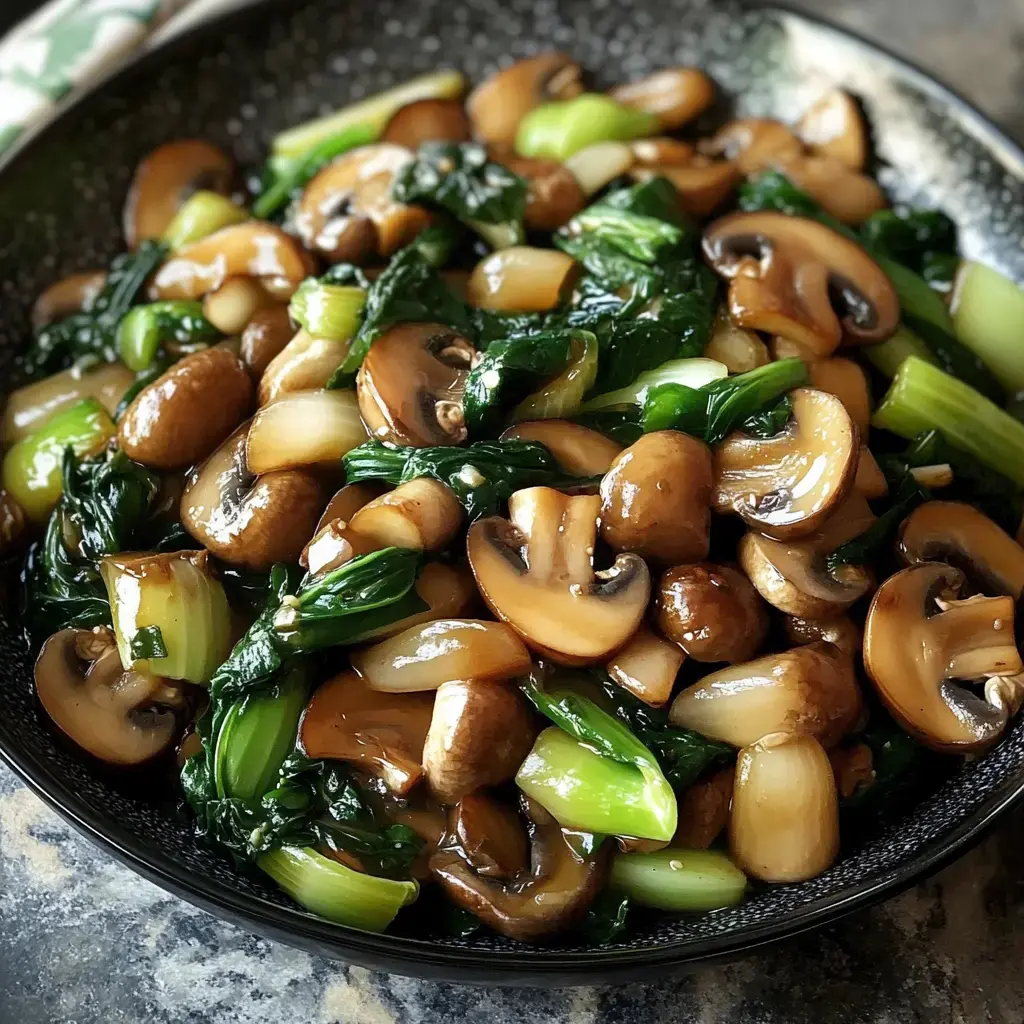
84	941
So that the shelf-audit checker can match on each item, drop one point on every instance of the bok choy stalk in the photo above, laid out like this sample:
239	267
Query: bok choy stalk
328	310
592	773
146	329
558	129
202	214
482	475
690	373
922	397
679	880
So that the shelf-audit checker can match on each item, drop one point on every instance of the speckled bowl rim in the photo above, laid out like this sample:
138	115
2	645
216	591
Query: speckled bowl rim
528	966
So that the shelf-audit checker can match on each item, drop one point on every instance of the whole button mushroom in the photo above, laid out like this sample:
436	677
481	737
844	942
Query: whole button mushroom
656	498
711	611
179	419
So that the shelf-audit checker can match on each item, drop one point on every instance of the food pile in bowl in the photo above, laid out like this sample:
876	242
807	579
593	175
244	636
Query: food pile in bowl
528	504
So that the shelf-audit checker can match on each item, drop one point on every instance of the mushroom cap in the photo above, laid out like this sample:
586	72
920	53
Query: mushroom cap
578	450
497	105
752	143
674	95
251	522
647	667
165	179
834	127
840	630
535	571
427	120
788	485
962	536
914	657
798	278
411	383
704	811
123	718
553	193
491	836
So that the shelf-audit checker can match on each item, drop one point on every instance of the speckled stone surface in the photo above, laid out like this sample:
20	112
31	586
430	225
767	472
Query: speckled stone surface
83	941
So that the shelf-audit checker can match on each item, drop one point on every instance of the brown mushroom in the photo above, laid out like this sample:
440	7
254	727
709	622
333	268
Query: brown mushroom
794	576
656	498
579	451
181	417
522	279
703	185
738	349
800	279
788	485
425	656
808	690
71	294
411	383
711	611
230	307
490	836
919	639
427	120
496	106
834	127
704	811
784	825
123	718
346	212
253	249
674	95
647	667
846	195
849	383
553	194
870	481
752	143
247	521
265	337
479	735
536	572
303	364
599	164
852	768
841	631
563	878
381	733
962	536
165	179
347	501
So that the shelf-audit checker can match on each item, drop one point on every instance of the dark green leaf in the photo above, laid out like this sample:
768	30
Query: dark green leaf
148	642
647	239
657	197
923	240
621	426
770	421
606	917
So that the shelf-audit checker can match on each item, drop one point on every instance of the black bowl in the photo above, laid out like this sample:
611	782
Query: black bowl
239	81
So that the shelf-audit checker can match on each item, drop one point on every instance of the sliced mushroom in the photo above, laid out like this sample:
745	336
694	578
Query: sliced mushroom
711	611
849	383
870	481
674	95
250	522
846	195
808	690
553	196
264	338
561	882
789	484
656	498
181	417
123	718
491	836
303	364
479	735
960	535
71	294
349	500
794	576
834	127
579	451
346	212
797	278
647	667
381	733
411	383
752	143
165	179
738	349
422	514
703	185
536	572
522	279
784	825
704	811
424	657
918	640
841	631
253	249
497	105
430	120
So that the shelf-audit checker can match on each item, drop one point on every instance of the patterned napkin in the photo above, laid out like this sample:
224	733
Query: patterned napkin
70	45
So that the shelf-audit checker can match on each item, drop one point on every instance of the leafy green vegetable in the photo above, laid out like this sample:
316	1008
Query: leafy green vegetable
606	917
923	240
621	425
328	310
770	421
711	412
955	358
657	197
644	238
482	475
92	333
509	371
336	608
409	290
148	642
458	177
558	129
201	215
145	329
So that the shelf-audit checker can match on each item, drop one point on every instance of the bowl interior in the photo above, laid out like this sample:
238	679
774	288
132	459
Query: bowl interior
239	83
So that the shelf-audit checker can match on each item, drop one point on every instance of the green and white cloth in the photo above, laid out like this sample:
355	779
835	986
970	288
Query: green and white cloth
70	45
